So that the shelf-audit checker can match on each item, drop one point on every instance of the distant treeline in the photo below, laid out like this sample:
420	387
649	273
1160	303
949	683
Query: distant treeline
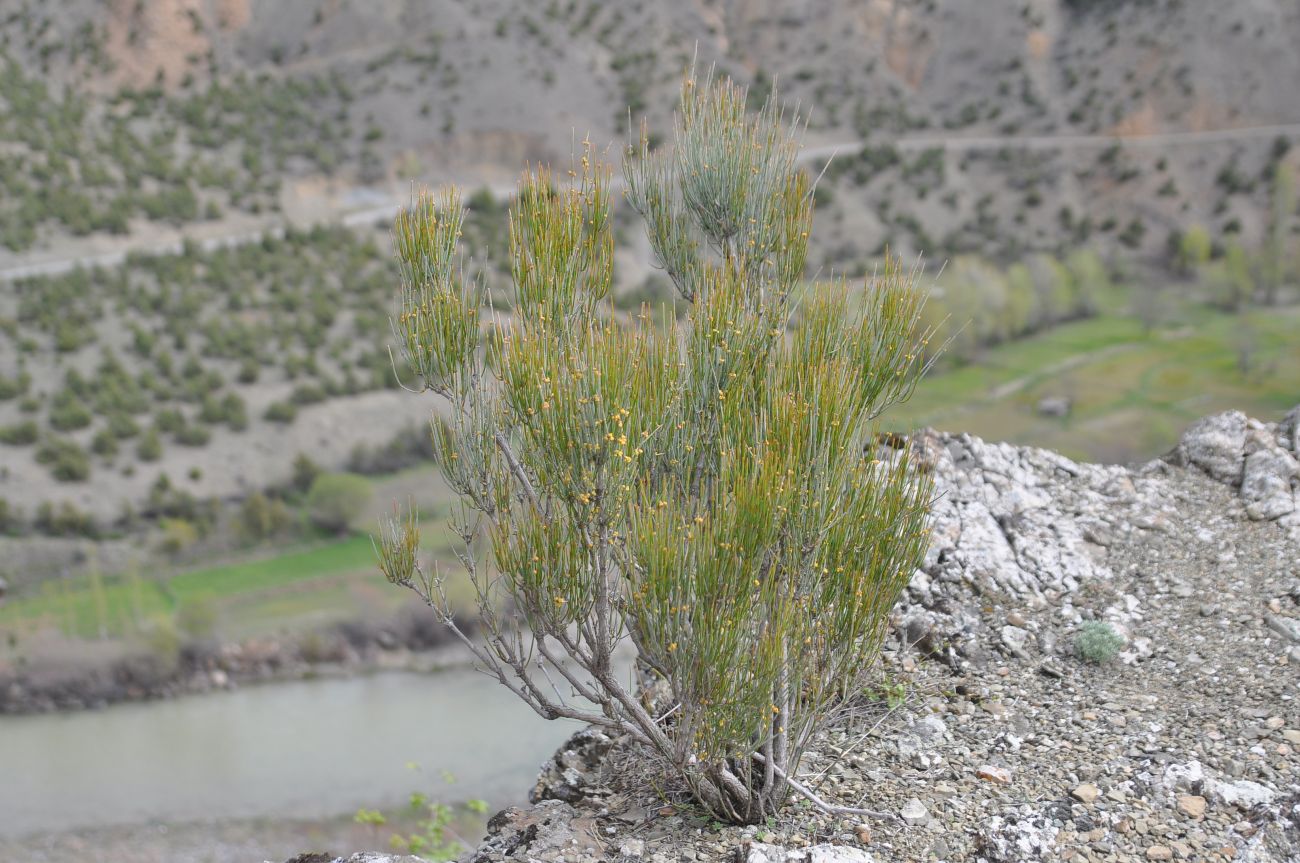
976	304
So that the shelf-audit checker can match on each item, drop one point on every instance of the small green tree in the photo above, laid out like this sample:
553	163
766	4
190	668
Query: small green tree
1276	257
709	491
1230	280
336	501
261	517
1194	249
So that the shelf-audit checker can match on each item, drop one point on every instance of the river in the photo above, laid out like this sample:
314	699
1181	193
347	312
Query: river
302	749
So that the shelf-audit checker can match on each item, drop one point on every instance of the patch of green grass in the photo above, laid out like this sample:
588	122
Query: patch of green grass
346	555
1132	392
73	607
306	583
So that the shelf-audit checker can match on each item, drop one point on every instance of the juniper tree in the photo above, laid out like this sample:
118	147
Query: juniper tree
707	490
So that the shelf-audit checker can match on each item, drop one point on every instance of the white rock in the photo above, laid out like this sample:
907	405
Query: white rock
920	582
1032	838
1266	483
914	812
1016	639
1216	445
1287	627
1183	777
1288	431
993	773
1243	793
762	852
1139	649
930	728
838	854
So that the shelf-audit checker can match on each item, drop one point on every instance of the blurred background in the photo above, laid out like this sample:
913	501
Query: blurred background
200	424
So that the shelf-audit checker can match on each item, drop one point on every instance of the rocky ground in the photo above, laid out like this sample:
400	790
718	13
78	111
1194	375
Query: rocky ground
990	739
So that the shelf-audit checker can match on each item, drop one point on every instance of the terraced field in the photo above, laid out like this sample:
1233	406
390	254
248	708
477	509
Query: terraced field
261	592
1131	391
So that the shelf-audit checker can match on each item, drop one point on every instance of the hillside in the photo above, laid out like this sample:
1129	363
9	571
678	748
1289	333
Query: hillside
191	190
975	117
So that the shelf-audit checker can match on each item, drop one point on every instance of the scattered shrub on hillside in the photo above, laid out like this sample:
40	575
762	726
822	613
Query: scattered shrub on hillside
210	410
15	386
121	425
177	536
411	446
1133	233
64	520
11	518
234	412
336	501
280	412
193	435
163	639
308	394
1230	280
150	446
66	460
304	474
262	517
19	434
104	443
1097	642
249	370
67	413
169	421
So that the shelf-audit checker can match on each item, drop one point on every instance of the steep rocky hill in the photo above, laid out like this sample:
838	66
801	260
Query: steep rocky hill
956	127
380	92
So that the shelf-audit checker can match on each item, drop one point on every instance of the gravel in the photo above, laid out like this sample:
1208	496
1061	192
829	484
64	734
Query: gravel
1007	746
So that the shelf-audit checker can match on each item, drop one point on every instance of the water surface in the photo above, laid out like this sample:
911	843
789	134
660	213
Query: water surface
302	749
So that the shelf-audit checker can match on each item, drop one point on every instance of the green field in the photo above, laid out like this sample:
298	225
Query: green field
1132	392
282	589
278	587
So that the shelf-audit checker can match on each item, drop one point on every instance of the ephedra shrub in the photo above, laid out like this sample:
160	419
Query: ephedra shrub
706	489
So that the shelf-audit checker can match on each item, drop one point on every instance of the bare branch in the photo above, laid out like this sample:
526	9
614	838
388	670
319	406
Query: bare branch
828	808
517	469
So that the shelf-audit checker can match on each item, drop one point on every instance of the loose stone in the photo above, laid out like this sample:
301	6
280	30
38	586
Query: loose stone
1191	805
1086	793
991	773
914	812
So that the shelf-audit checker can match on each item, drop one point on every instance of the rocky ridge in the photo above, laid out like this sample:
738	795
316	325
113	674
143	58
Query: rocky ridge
990	739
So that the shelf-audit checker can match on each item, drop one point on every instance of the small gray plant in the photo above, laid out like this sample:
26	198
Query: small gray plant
1097	642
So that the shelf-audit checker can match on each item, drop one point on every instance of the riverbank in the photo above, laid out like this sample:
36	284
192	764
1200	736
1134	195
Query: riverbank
414	642
236	840
193	841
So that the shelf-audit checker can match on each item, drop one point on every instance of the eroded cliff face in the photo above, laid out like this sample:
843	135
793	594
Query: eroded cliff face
1007	746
